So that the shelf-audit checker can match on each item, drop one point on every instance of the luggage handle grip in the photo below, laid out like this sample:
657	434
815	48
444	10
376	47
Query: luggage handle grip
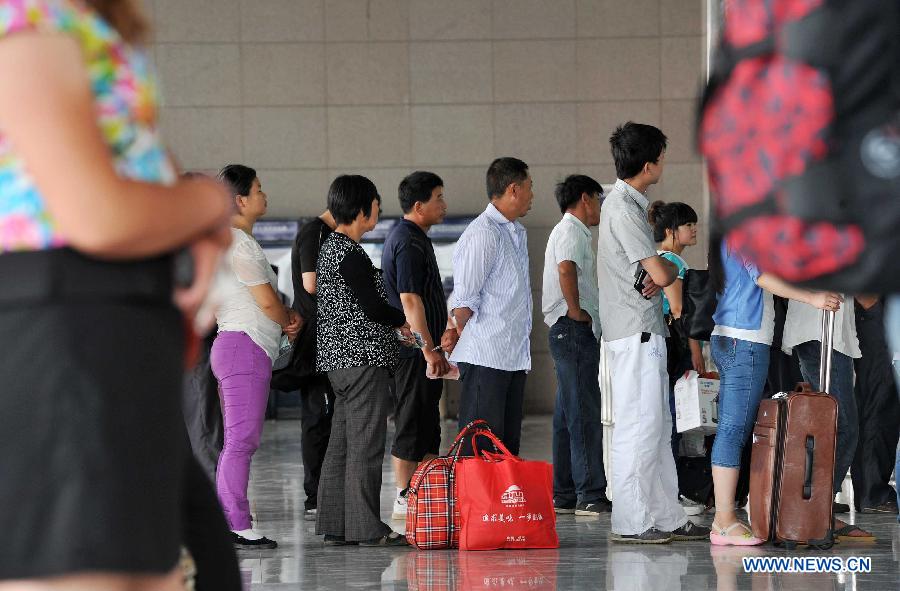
504	454
477	424
807	481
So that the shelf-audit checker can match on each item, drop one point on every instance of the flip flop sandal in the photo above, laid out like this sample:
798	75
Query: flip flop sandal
721	537
843	534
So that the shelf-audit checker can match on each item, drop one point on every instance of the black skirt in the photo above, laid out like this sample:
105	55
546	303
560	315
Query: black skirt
91	440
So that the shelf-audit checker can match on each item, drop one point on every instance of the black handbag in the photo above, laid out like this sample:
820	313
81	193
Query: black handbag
698	304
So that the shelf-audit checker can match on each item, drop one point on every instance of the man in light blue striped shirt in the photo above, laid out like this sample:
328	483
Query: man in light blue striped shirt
491	304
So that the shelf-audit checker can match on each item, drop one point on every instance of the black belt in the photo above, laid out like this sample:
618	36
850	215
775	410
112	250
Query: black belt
65	275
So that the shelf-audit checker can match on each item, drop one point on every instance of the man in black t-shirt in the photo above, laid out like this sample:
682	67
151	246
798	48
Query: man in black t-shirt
413	282
316	396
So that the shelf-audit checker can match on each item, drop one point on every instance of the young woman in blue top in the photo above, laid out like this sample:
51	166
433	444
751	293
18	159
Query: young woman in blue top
674	229
745	325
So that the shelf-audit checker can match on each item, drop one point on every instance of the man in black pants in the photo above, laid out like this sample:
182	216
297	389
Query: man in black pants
879	413
412	281
316	396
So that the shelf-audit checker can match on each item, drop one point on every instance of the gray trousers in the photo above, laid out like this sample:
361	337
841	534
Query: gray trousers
350	483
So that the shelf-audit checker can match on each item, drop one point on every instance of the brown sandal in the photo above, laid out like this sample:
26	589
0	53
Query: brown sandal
842	534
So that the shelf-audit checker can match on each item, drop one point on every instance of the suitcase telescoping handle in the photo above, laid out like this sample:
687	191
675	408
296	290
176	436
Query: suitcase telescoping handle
825	351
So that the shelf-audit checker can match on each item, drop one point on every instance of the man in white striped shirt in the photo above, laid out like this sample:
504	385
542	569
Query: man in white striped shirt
491	304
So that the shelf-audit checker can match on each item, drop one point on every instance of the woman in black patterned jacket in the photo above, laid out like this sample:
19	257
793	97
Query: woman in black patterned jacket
357	346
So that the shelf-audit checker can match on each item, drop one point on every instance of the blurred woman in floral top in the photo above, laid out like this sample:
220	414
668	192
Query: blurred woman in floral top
91	441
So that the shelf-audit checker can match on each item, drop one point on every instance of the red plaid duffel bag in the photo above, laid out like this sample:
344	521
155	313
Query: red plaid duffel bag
432	514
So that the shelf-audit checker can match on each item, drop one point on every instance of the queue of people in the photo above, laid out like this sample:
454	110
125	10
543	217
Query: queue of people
585	298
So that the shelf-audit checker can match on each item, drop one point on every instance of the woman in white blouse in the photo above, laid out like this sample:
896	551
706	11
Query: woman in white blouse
251	320
803	335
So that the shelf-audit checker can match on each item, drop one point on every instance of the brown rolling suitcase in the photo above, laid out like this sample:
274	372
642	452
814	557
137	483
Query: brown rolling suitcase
792	465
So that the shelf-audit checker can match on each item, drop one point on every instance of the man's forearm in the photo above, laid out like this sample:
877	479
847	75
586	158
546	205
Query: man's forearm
663	272
414	309
461	315
568	284
695	346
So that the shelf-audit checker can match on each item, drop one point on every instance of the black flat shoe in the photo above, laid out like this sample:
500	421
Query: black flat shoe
392	539
338	541
690	531
242	543
888	507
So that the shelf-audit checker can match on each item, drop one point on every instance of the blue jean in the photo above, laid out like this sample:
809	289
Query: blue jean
743	370
842	391
577	432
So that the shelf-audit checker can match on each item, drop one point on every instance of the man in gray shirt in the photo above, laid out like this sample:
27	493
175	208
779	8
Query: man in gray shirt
631	275
571	310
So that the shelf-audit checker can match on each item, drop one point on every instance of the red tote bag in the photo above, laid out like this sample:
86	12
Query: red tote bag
504	501
432	517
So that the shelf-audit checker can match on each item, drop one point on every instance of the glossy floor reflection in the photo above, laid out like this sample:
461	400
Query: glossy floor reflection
585	559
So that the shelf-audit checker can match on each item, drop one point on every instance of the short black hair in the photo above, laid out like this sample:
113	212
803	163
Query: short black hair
238	177
570	190
417	187
633	145
502	173
669	215
350	194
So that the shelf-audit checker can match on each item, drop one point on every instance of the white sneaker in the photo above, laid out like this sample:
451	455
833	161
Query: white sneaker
690	507
399	513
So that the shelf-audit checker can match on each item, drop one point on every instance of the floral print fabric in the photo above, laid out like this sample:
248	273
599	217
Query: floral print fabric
126	106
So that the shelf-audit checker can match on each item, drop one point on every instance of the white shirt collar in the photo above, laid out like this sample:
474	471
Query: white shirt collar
495	215
633	193
578	223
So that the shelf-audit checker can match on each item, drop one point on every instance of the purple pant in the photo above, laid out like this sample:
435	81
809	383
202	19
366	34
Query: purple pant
243	370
